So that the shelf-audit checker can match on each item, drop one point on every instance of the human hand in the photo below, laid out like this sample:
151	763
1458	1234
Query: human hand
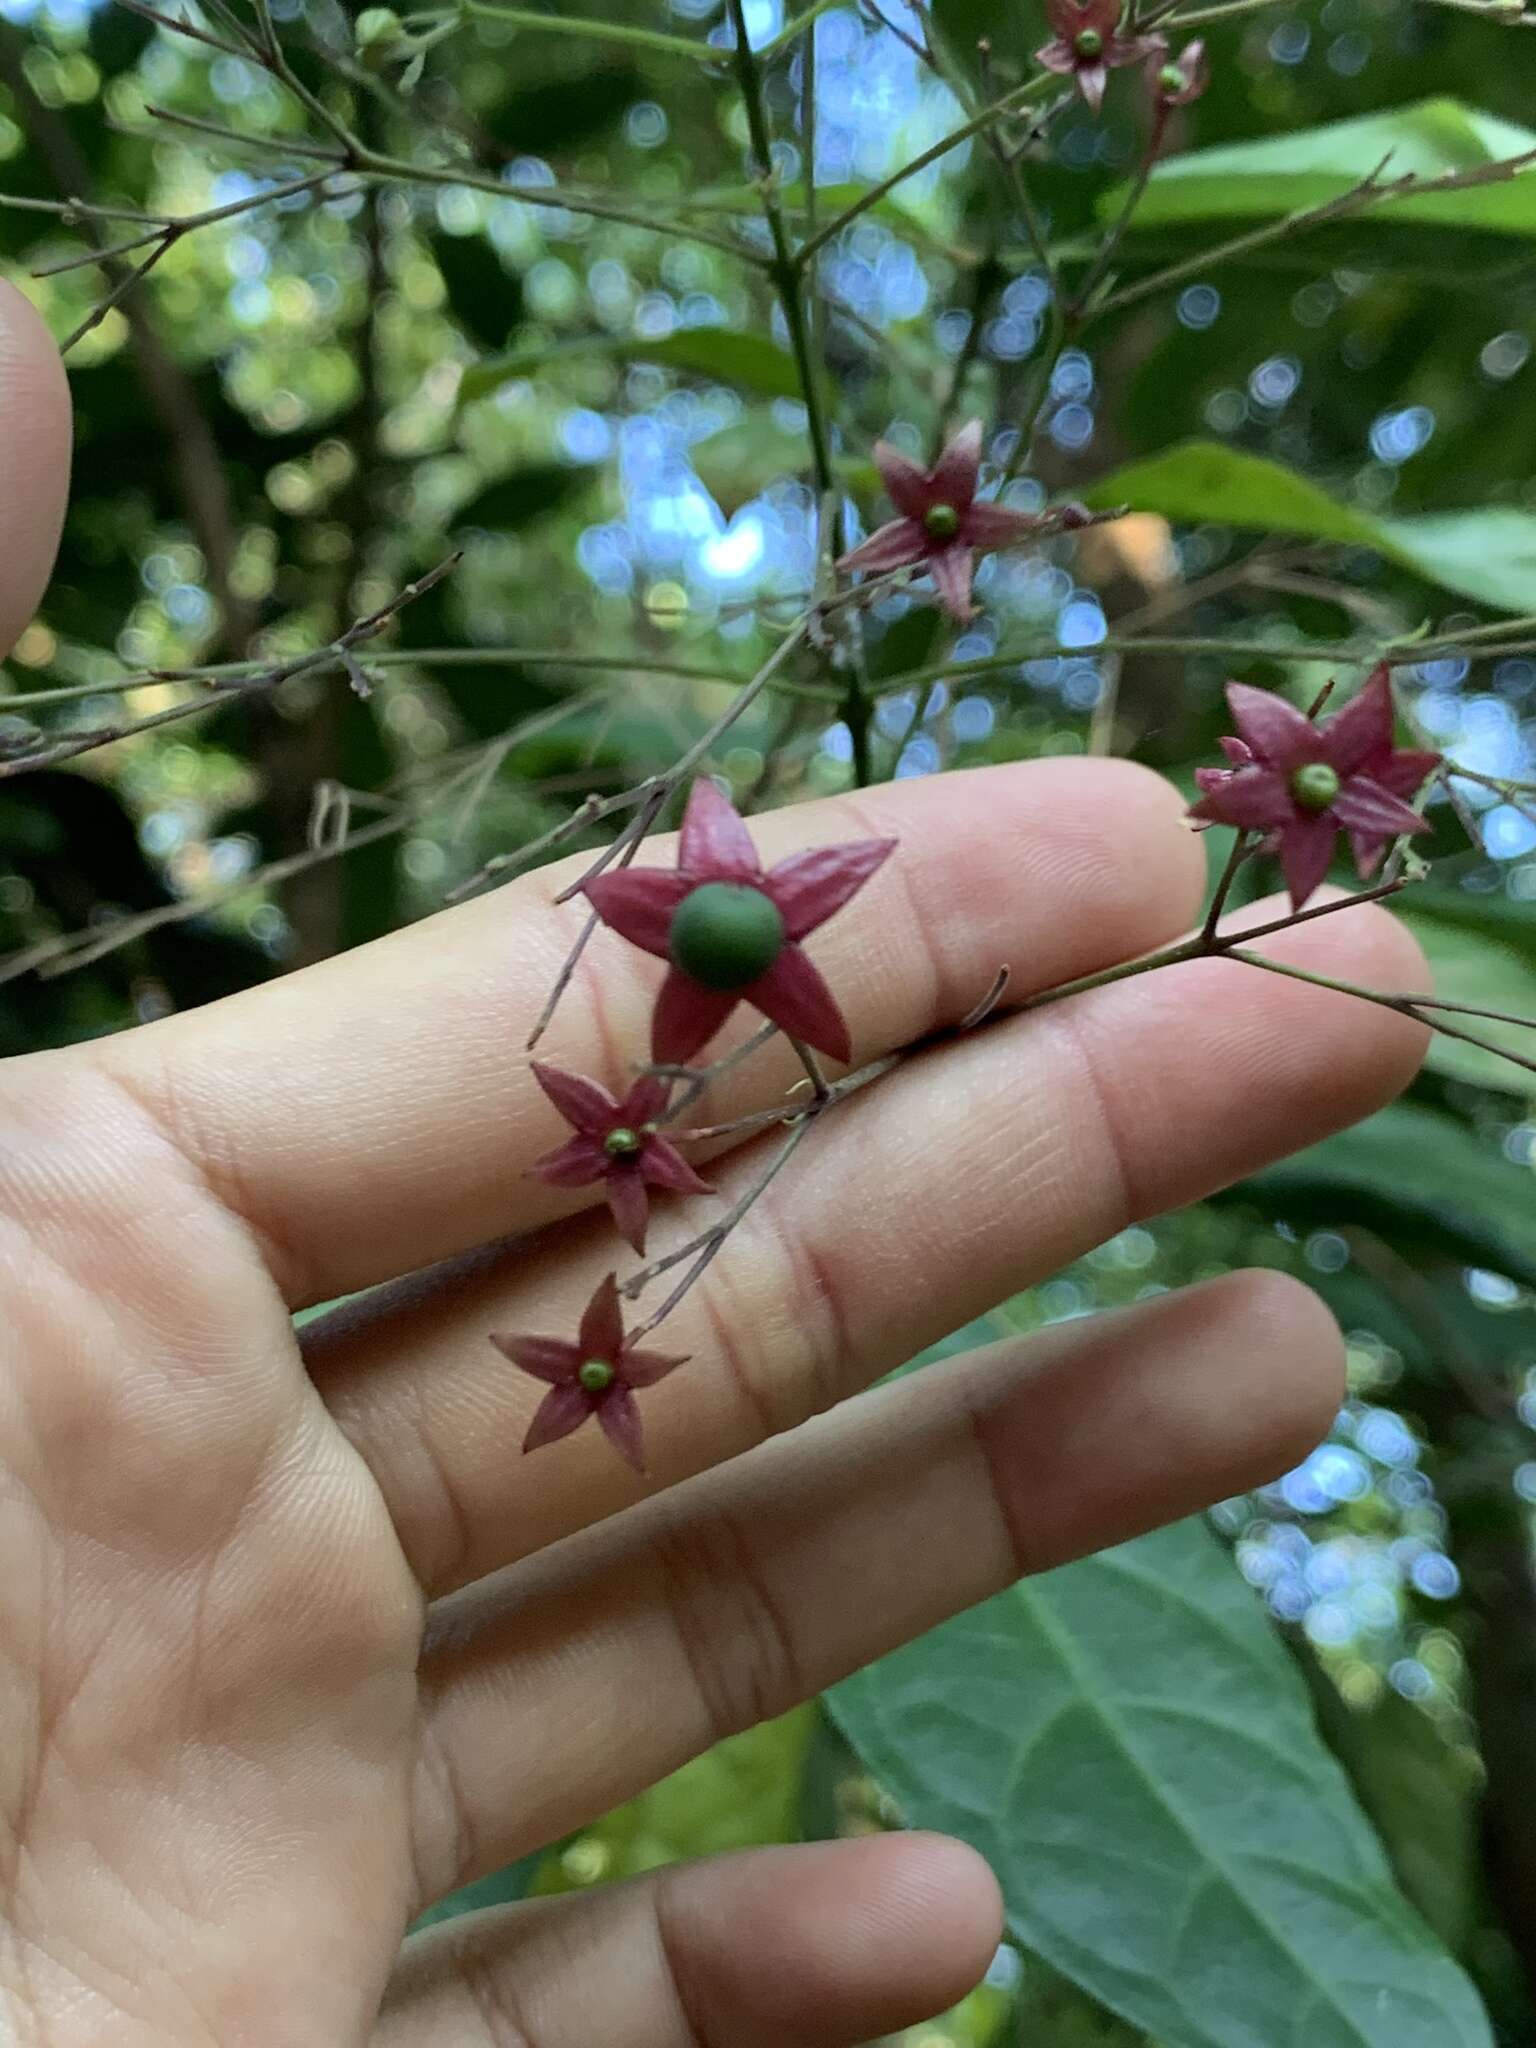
293	1641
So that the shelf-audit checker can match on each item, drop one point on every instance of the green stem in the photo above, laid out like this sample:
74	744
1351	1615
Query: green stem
1403	1005
1010	101
1198	16
1241	847
786	264
597	31
1112	240
776	45
370	165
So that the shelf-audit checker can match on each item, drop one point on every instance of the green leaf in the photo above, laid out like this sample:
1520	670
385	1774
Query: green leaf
1128	1744
1310	166
750	361
740	462
1481	950
1488	554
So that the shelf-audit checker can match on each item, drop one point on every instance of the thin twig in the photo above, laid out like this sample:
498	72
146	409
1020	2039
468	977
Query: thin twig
335	652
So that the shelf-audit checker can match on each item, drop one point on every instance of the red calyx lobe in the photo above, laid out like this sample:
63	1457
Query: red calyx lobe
1306	783
615	1142
578	1391
942	525
805	889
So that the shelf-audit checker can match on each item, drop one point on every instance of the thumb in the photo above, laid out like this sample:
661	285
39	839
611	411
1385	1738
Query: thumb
34	460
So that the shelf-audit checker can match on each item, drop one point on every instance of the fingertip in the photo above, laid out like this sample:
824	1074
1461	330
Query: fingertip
942	1893
1286	1323
850	1939
35	435
1153	1411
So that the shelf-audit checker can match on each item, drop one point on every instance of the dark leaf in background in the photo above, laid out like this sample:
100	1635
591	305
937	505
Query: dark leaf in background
1481	949
1280	174
554	115
117	38
1420	1792
750	361
71	842
1418	1177
483	295
1488	553
527	495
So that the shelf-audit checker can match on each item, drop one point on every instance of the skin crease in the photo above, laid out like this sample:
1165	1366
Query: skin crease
263	1700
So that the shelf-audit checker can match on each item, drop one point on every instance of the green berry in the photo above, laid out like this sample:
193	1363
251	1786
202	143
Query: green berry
1172	79
596	1375
1089	44
1315	786
942	521
379	35
622	1143
725	934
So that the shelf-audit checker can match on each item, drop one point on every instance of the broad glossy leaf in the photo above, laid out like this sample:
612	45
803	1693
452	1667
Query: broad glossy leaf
750	361
1487	553
1128	1744
1286	172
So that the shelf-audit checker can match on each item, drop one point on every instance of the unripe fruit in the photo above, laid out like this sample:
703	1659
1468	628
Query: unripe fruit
725	935
379	37
1315	786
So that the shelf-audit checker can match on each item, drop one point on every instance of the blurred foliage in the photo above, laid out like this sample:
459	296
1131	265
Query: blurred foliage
1324	439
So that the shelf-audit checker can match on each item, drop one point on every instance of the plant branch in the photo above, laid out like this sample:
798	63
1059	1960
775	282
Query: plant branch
1371	192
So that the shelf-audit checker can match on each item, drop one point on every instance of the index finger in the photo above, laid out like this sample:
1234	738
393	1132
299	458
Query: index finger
377	1112
34	460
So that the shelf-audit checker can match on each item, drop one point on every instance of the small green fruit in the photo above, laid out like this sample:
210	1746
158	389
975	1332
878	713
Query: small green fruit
1315	786
379	36
725	934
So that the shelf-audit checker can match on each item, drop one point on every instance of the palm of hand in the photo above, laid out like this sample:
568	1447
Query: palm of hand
213	1631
